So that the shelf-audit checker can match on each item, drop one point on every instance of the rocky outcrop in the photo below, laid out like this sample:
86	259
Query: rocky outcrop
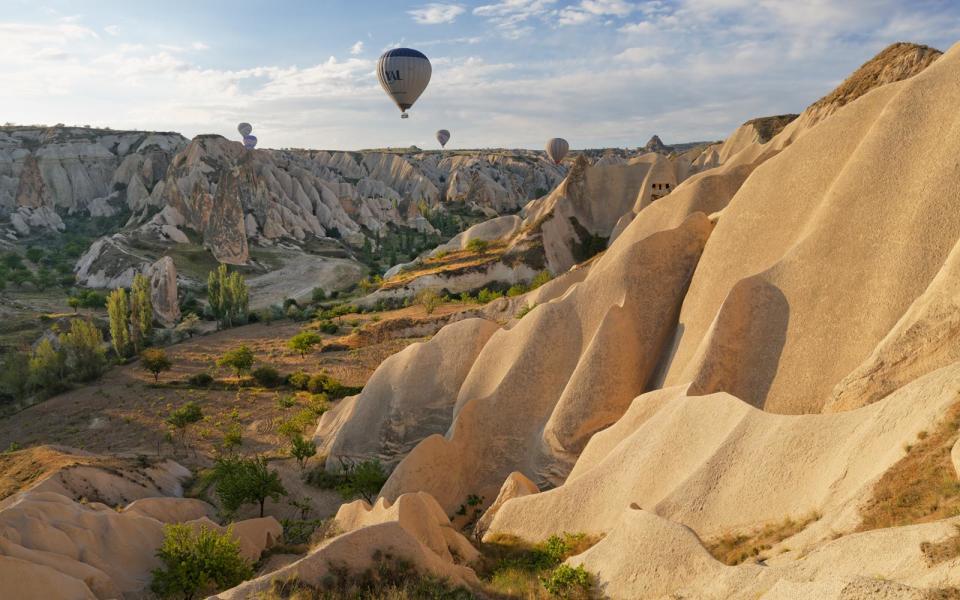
163	291
655	144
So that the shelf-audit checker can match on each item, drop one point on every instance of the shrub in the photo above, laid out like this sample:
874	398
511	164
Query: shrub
477	245
328	327
297	424
298	380
516	290
485	295
363	479
285	400
232	437
541	278
304	342
318	295
201	562
320	383
302	449
200	380
83	350
246	480
429	300
568	582
155	361
267	376
240	359
525	309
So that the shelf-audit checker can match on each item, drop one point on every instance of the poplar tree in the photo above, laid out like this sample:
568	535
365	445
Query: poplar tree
119	311
141	312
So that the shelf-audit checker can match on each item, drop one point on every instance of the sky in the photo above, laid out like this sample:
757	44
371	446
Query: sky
506	73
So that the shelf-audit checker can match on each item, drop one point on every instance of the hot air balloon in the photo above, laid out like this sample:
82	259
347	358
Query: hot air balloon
557	148
245	129
403	73
249	142
443	136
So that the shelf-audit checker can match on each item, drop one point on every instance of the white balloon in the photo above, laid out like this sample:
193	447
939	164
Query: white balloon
404	73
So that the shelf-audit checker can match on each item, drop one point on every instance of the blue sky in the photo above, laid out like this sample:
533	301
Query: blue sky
507	73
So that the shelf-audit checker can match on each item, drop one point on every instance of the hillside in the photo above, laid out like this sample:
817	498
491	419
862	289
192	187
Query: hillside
727	371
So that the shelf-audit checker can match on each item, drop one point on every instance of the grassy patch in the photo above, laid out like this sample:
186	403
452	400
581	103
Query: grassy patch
512	568
733	549
922	486
939	552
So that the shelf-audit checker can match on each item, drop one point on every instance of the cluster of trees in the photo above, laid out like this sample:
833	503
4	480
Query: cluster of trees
131	317
227	297
75	355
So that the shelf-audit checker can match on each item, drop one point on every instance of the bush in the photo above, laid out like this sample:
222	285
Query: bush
485	295
267	376
286	401
516	290
298	380
541	278
328	327
181	418
202	562
200	380
318	295
83	350
524	310
363	479
429	300
568	582
477	245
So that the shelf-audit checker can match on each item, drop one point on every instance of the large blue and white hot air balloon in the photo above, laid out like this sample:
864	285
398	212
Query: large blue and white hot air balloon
249	142
443	136
404	73
245	129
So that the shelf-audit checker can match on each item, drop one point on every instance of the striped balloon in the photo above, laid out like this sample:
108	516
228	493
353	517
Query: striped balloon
404	74
557	148
443	136
249	142
245	129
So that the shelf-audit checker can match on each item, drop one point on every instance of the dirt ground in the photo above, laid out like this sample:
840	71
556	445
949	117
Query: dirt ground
125	412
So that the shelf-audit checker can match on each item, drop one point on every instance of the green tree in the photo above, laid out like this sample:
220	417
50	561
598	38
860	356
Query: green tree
302	449
242	481
188	325
15	374
198	562
156	361
181	418
304	342
363	479
227	296
83	349
141	312
46	366
118	309
240	359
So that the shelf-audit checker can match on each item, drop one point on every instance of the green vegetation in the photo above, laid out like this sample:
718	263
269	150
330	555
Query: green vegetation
388	578
228	297
198	563
353	480
525	309
240	359
155	361
83	350
89	299
131	317
478	246
181	418
304	342
513	568
242	481
118	309
429	300
267	376
302	450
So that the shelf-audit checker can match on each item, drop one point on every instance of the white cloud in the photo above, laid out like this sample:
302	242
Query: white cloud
511	17
617	8
436	13
199	46
639	54
356	48
112	30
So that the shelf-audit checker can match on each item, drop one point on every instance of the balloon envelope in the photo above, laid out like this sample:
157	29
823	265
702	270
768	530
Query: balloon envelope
557	148
403	73
443	136
245	129
249	142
